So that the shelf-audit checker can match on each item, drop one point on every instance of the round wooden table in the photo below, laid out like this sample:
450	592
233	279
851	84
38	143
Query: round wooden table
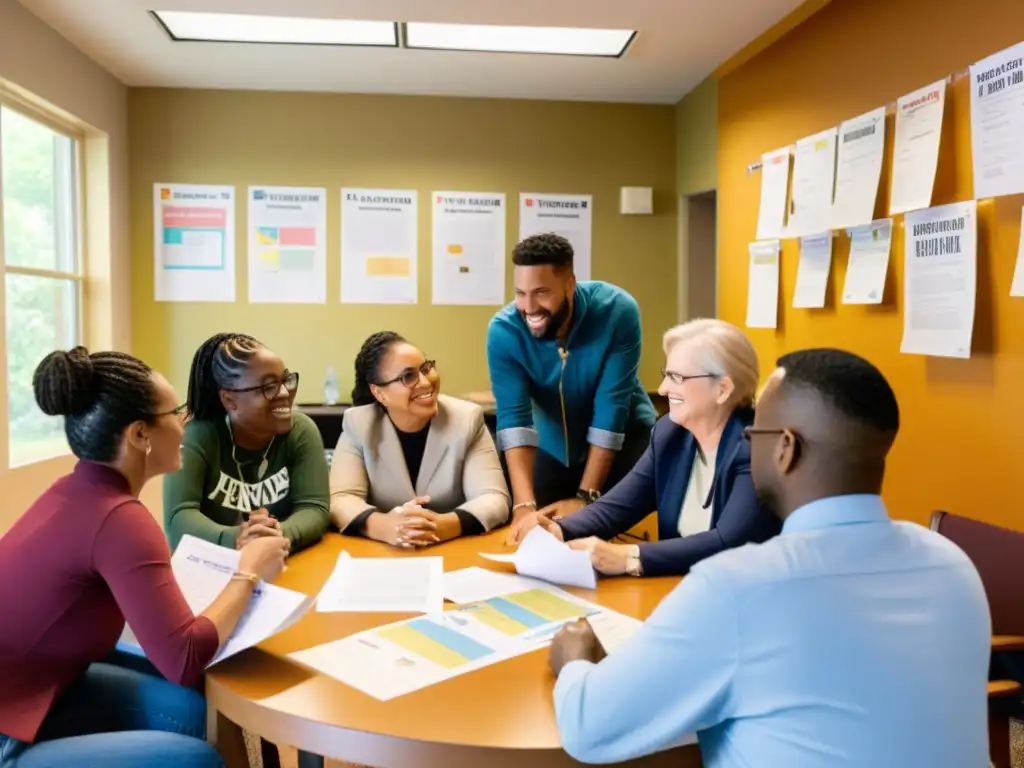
502	715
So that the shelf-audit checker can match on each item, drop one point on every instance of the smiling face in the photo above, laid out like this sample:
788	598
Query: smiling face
260	402
694	393
409	383
543	297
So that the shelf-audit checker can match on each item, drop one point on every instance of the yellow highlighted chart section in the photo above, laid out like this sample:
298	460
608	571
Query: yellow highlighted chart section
547	605
406	636
489	614
388	266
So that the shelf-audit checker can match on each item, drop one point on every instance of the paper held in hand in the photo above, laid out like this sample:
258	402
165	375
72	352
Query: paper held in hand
203	570
542	556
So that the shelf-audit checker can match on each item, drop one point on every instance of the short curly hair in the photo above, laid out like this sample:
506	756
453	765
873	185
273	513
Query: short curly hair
543	250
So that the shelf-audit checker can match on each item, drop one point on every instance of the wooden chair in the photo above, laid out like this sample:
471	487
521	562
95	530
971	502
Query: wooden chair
998	554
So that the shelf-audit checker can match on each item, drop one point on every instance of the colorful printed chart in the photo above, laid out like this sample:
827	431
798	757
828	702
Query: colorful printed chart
194	247
403	657
287	245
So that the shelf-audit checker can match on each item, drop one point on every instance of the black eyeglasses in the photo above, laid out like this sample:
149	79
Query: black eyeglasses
748	432
410	377
270	389
181	412
679	378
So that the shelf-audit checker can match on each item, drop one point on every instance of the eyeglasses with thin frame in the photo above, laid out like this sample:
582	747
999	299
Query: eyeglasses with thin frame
680	378
181	412
410	377
270	389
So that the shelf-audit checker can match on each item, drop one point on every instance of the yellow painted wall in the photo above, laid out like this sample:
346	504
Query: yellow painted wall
38	61
697	139
959	447
328	140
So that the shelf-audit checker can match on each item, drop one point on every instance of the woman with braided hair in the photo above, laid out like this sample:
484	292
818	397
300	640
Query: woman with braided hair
251	466
413	467
87	556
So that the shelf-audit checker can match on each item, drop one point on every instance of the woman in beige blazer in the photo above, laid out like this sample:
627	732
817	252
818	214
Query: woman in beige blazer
412	467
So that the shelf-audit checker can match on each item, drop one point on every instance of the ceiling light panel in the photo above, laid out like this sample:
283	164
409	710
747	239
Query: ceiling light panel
285	30
567	41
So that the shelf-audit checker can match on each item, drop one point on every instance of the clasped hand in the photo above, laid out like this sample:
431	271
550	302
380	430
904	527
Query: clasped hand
260	523
412	525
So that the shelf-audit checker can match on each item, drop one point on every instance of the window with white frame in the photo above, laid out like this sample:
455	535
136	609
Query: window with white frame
40	185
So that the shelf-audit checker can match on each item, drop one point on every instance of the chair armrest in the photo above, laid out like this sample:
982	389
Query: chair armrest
1008	642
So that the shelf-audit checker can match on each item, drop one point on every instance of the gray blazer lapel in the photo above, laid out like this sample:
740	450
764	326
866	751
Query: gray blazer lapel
434	451
391	457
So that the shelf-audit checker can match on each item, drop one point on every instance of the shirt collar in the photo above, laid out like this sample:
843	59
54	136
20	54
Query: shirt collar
835	511
101	474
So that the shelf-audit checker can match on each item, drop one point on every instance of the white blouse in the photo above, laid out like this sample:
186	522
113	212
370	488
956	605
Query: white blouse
693	517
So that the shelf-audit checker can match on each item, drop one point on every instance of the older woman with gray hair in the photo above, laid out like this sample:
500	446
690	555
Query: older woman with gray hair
696	472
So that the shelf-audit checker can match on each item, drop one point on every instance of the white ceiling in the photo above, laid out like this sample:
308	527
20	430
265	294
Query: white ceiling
679	43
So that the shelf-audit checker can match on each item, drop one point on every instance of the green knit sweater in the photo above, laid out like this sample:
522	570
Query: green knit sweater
212	492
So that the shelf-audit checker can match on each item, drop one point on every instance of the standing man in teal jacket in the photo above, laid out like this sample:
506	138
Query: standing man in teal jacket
573	417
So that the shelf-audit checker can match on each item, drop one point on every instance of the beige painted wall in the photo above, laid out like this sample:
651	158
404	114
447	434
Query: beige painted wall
36	59
697	139
403	142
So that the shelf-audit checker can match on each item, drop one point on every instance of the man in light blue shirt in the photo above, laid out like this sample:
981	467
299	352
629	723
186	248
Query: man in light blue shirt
848	641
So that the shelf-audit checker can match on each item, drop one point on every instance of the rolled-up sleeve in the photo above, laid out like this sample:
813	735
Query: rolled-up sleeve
132	556
617	380
511	388
670	680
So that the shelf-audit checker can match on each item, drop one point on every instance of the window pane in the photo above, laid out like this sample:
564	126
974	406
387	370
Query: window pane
42	315
40	193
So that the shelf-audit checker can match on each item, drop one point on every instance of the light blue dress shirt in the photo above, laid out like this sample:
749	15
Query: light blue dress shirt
848	641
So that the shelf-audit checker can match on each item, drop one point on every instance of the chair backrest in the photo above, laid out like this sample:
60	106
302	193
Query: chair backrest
998	554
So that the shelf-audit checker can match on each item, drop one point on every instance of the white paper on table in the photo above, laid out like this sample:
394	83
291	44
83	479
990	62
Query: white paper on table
384	584
379	243
570	216
763	285
859	168
287	245
812	271
814	173
868	264
613	629
1017	287
399	658
469	248
940	280
771	214
997	123
542	556
203	570
193	242
915	155
470	585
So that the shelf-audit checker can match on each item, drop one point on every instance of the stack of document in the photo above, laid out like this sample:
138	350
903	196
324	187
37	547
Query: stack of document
388	584
203	570
544	557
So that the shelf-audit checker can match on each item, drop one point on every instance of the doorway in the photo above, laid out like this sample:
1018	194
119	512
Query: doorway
699	262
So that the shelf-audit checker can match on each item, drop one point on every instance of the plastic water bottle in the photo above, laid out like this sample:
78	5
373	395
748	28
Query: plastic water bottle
331	390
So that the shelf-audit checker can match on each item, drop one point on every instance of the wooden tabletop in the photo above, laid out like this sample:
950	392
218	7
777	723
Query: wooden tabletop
498	716
1008	642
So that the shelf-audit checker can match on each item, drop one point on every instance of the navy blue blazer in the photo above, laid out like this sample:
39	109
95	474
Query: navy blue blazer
659	480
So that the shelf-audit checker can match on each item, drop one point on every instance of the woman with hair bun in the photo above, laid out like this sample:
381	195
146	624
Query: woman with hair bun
251	465
412	467
86	557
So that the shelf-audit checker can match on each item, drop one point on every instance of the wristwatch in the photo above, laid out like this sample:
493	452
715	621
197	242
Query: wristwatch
588	495
633	566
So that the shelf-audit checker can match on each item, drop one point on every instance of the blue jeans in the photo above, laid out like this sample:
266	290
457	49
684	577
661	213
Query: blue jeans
119	713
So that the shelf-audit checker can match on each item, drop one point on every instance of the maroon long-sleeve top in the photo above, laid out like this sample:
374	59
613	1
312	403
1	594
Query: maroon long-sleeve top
85	557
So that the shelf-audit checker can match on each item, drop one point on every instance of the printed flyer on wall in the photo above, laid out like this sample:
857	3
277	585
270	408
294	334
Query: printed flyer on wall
193	242
287	245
